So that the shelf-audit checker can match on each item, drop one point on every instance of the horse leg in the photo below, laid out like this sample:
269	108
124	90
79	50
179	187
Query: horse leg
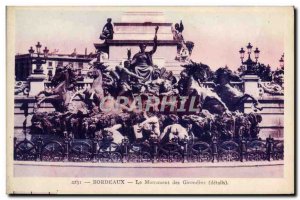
66	98
255	102
40	101
92	95
79	93
52	97
221	102
41	92
243	99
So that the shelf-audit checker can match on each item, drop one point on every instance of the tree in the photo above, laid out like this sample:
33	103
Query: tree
261	70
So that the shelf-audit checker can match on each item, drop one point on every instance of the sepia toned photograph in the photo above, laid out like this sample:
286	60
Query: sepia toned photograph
150	100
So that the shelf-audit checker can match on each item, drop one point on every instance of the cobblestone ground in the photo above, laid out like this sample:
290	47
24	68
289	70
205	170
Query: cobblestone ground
163	170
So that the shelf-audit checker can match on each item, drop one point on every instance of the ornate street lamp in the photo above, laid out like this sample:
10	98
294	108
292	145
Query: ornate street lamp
249	63
249	47
256	53
38	47
31	51
281	61
46	51
38	61
242	53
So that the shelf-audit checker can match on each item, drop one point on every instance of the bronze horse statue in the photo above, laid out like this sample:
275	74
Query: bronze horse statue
64	82
231	96
191	84
92	95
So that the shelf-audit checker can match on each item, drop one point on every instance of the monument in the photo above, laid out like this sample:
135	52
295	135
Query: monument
143	89
138	112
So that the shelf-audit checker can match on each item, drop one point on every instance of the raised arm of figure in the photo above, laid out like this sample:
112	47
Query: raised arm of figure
155	41
181	28
133	61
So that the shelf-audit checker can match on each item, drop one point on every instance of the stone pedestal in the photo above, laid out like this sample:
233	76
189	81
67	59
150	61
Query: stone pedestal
36	83
139	27
251	84
272	116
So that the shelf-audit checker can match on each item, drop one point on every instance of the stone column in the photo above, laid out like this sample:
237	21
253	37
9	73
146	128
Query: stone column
36	83
251	84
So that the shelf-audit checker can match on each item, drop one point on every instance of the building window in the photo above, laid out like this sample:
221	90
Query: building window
80	65
60	63
50	75
71	64
49	64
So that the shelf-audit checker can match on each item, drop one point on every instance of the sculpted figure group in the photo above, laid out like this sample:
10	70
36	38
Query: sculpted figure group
79	114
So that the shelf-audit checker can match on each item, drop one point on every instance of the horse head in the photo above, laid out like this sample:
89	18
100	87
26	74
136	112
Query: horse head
200	72
59	76
64	74
224	75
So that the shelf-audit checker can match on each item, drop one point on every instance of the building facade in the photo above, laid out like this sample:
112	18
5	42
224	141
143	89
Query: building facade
24	67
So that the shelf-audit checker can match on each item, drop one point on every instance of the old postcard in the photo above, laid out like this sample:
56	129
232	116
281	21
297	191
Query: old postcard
150	100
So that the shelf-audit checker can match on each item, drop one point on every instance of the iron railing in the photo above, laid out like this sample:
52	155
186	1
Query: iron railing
93	150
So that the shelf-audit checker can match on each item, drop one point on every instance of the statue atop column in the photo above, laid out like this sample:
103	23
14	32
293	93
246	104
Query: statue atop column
107	31
142	62
184	49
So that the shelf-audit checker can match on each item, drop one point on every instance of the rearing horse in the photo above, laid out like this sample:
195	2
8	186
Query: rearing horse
96	92
191	84
232	97
60	96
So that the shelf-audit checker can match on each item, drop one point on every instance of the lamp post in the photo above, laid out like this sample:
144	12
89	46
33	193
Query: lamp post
31	51
37	78
242	53
281	61
249	63
250	78
39	60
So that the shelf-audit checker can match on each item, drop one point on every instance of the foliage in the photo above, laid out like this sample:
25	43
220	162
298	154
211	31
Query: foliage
278	76
199	71
264	72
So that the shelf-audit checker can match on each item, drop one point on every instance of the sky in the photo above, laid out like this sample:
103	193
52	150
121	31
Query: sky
218	34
